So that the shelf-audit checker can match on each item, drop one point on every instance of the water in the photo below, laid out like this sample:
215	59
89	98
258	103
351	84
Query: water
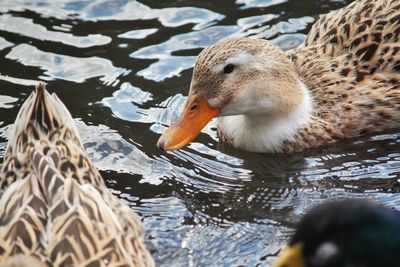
123	69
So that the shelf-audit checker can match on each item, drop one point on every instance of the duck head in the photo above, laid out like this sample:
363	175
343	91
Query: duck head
240	76
351	232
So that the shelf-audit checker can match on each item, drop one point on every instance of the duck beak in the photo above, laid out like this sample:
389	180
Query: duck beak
291	257
196	114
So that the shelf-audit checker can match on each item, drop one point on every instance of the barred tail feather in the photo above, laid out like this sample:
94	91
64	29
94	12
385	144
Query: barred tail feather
56	208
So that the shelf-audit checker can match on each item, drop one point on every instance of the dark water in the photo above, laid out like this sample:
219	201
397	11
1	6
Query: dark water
123	68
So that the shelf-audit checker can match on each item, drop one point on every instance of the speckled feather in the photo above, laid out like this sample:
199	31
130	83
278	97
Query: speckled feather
350	62
55	205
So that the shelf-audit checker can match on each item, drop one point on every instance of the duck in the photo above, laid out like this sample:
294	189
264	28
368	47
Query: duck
342	82
349	232
56	208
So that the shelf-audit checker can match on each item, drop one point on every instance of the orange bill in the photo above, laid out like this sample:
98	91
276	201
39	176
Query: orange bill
196	114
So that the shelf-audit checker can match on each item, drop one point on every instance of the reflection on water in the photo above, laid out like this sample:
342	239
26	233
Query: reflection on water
259	3
28	28
65	67
123	69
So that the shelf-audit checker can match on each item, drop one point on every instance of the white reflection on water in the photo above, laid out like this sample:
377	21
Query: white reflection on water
124	102
355	168
168	67
258	3
293	25
7	101
138	34
109	151
18	81
64	67
28	28
115	10
4	43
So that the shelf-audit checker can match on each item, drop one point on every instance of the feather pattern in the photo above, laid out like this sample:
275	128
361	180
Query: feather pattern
350	62
57	209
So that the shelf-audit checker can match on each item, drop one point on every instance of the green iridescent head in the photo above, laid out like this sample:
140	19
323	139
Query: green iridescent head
345	233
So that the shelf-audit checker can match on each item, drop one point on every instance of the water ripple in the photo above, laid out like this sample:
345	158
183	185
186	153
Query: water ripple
138	34
7	101
64	67
168	67
19	81
293	25
109	151
100	10
124	102
28	28
258	3
4	43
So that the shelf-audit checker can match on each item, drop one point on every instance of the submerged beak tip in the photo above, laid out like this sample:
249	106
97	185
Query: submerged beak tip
160	146
188	126
161	143
164	142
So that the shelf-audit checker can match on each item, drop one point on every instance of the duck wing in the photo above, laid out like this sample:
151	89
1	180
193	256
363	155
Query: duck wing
350	62
367	32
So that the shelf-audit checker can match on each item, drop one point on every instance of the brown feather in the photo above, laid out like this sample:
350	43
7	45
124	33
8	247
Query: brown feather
57	208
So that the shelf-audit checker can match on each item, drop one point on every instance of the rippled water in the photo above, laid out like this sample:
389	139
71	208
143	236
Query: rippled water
123	69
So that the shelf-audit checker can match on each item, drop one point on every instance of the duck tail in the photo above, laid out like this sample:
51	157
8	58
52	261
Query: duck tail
41	116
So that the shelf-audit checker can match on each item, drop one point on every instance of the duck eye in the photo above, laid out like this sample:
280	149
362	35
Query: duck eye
228	68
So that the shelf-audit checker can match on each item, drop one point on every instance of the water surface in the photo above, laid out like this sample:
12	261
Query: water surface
123	69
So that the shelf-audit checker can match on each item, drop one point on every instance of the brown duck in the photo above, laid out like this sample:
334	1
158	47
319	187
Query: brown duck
342	82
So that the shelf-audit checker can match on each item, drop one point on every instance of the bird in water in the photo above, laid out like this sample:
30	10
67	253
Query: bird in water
55	207
342	82
345	233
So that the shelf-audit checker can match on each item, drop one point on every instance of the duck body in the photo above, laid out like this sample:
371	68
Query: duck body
354	74
342	82
56	209
345	233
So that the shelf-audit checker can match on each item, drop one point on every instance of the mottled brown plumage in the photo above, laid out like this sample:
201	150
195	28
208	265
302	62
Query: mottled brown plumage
56	208
343	82
350	62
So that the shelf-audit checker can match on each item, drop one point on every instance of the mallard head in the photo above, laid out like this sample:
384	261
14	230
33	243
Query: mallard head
345	233
240	76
